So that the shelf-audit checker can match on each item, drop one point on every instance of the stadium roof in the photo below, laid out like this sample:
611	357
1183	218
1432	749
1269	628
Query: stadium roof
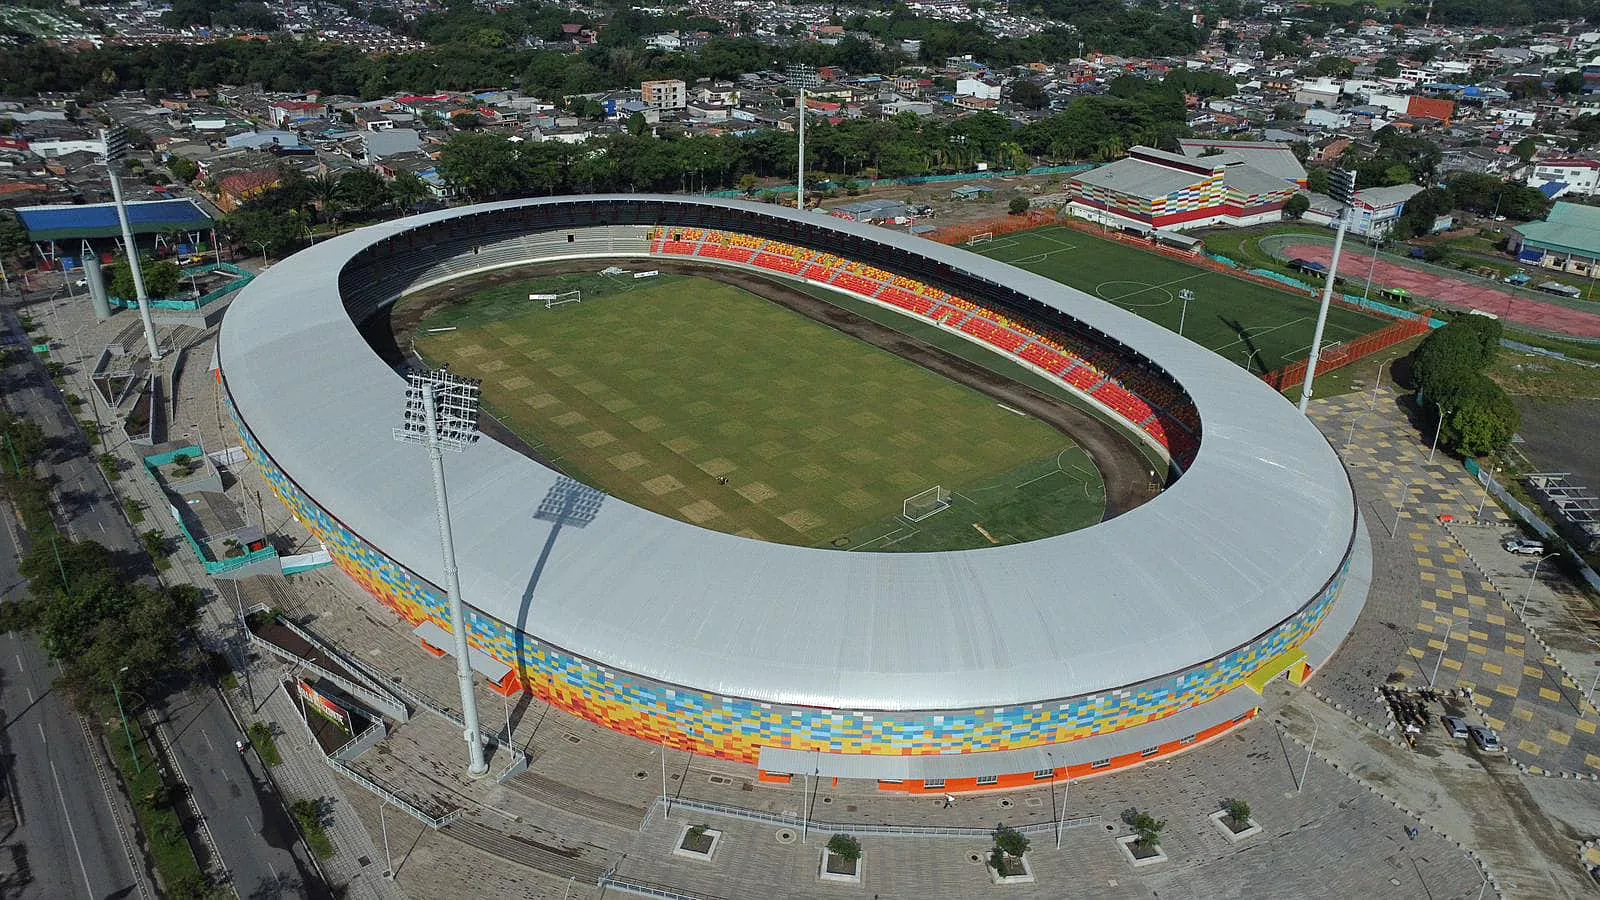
1138	178
1272	157
99	220
1249	535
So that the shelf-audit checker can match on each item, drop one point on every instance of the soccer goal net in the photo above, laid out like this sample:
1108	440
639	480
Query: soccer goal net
926	503
983	238
551	301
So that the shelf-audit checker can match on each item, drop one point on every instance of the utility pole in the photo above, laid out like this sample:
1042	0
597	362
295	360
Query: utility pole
442	414
1343	187
116	143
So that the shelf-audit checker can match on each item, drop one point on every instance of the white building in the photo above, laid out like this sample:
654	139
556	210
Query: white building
973	87
1581	176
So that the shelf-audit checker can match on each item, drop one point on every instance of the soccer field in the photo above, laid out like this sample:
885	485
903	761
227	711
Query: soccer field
703	402
1249	324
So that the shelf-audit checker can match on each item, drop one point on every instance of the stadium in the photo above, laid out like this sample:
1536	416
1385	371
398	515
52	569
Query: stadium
1070	655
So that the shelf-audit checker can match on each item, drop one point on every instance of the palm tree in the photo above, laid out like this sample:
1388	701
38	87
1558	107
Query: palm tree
407	190
324	190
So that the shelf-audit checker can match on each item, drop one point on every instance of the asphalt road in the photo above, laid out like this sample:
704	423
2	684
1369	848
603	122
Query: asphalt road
247	830
68	842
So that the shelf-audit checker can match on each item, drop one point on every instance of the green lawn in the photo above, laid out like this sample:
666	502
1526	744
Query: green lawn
656	390
1246	323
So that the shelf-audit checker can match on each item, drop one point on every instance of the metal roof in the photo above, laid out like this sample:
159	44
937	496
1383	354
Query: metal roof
1243	540
1139	178
99	220
1272	157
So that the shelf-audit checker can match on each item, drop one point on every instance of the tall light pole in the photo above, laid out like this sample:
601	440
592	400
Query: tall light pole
1478	516
126	732
1532	577
1596	685
1183	312
1343	187
116	144
442	414
1373	266
1434	678
1060	813
802	78
1437	427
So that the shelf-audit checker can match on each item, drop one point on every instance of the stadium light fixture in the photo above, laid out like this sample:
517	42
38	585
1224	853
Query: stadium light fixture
802	78
115	141
442	414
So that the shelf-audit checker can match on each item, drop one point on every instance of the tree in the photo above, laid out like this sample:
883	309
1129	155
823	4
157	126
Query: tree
845	847
1019	205
161	279
363	189
184	170
1525	149
1010	842
1148	828
481	165
1482	419
1296	206
1028	94
1238	812
638	126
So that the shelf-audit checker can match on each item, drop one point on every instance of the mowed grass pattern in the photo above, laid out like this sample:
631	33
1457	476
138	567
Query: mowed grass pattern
1248	324
654	391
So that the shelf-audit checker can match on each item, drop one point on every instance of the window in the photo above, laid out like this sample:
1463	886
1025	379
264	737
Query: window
1100	764
1187	740
1149	752
1042	774
985	780
571	238
934	784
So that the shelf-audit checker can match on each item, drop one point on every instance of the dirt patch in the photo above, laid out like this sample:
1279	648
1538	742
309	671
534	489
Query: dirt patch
1123	468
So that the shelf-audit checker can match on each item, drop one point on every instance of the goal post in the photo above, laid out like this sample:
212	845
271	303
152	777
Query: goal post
551	301
980	238
924	504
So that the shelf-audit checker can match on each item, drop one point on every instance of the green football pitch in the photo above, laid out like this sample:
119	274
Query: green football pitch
700	401
1250	324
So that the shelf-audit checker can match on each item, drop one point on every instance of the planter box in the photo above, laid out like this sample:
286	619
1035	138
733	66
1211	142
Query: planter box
1026	877
1126	845
851	877
701	851
1229	833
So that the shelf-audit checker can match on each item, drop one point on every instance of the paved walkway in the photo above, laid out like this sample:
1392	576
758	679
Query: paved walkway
1450	626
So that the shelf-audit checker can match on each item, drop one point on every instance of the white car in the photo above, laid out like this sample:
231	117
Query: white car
1524	547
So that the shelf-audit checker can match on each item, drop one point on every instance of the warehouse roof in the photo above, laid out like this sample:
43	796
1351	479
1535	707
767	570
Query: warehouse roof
1250	534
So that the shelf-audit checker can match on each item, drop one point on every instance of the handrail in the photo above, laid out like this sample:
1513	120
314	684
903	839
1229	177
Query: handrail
736	812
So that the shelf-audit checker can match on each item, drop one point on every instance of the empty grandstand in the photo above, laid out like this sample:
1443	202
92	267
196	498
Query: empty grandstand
1062	657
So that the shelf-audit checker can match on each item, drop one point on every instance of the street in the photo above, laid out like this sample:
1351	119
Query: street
246	829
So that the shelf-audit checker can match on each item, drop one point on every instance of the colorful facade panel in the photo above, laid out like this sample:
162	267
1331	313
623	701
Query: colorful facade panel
737	728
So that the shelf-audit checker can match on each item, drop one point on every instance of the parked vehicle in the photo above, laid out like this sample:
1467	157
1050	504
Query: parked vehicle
1486	739
1524	547
1455	726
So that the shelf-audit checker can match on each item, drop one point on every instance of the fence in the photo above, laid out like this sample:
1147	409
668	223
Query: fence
1344	354
914	180
647	888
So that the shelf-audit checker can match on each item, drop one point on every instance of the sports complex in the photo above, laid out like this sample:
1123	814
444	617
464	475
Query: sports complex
751	485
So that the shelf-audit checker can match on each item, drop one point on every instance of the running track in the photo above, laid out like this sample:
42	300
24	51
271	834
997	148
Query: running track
1478	294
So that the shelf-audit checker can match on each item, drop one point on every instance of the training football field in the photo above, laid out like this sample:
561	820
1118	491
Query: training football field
703	402
1250	324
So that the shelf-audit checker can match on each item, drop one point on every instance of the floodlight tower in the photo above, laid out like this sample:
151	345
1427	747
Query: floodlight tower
1342	187
442	414
802	78
116	144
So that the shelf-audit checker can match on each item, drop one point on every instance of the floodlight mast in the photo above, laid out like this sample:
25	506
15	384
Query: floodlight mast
441	414
116	143
1343	188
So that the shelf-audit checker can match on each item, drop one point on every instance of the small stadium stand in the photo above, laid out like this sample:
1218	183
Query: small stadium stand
99	220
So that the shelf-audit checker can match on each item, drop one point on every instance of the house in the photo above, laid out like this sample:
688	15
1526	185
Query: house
972	192
234	191
1372	213
1326	119
285	112
1567	240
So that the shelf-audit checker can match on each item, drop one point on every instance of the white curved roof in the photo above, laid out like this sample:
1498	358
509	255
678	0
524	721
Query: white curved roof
1245	538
